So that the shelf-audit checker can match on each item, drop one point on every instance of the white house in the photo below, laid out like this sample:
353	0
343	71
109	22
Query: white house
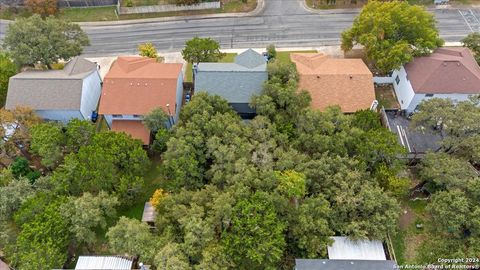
58	95
449	72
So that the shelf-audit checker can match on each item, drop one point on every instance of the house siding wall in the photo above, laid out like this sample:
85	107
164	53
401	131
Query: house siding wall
91	91
235	87
409	100
179	96
127	117
403	89
418	98
60	115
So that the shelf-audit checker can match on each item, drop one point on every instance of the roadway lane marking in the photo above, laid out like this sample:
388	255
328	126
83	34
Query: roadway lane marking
465	19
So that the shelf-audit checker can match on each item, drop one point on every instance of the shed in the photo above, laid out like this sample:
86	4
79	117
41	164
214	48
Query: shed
346	249
104	263
316	264
149	213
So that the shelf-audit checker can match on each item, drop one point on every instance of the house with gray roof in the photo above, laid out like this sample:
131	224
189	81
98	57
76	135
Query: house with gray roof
236	82
58	95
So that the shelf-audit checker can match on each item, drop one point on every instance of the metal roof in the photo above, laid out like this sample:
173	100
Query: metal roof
346	249
149	213
314	264
103	263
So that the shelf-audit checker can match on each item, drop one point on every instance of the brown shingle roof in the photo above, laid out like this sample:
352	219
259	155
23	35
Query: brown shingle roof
137	85
450	70
331	81
133	127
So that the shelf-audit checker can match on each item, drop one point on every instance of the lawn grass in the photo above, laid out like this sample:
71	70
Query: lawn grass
285	56
398	242
89	14
229	58
152	180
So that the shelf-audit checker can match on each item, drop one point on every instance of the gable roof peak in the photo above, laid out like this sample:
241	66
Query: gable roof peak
131	63
250	59
311	60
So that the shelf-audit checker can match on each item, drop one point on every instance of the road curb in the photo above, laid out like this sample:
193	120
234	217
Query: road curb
258	9
329	11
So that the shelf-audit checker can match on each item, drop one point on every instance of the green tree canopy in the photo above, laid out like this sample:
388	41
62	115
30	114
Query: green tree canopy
47	142
35	40
7	70
89	213
255	237
156	120
392	33
202	50
133	237
457	122
472	41
42	242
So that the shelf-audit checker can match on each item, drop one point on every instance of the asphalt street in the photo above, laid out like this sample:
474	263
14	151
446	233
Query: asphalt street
286	23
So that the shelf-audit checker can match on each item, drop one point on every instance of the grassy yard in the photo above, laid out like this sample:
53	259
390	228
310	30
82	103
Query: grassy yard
92	14
229	58
409	237
89	14
152	182
285	56
386	96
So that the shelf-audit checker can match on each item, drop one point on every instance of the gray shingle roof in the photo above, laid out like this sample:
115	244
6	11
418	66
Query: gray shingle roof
50	89
249	60
317	264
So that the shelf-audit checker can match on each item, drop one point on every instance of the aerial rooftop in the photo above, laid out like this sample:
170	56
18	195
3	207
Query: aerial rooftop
335	81
447	70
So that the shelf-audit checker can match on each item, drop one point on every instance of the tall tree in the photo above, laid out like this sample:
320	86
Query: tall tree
7	70
156	120
392	33
43	241
202	50
48	141
255	238
444	172
79	133
456	122
35	40
472	41
87	214
131	236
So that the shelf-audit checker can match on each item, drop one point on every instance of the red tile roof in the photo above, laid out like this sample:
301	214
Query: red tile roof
332	81
137	85
135	128
449	70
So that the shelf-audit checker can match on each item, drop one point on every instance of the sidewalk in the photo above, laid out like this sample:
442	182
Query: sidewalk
258	9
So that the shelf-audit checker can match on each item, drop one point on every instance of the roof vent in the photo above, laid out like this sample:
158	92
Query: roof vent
444	64
324	262
318	76
351	262
458	64
351	76
138	84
